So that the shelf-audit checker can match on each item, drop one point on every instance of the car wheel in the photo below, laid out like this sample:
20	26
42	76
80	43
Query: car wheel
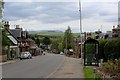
29	57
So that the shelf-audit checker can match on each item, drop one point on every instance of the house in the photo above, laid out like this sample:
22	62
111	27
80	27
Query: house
108	35
116	32
21	41
13	49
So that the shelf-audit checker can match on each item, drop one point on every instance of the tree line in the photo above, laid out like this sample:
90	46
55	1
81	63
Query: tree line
57	44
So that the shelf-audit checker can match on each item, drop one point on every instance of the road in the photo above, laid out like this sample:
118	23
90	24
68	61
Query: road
38	67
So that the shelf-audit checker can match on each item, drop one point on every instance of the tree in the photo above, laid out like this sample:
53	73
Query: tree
5	40
37	41
60	47
1	8
54	44
68	39
46	41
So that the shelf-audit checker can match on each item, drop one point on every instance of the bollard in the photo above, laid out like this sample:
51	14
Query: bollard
94	72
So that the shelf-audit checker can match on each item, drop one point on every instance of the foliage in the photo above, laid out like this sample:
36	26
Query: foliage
101	49
60	47
68	39
112	49
112	68
37	41
54	44
1	8
5	40
46	41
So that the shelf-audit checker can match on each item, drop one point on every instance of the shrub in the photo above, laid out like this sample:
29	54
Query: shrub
112	67
112	49
101	54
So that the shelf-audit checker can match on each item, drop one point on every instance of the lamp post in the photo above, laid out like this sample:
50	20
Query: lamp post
80	25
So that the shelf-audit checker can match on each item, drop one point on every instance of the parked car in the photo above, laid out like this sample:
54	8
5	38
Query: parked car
43	53
25	55
61	53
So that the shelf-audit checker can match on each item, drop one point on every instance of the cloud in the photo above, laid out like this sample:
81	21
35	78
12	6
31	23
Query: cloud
43	11
57	15
60	0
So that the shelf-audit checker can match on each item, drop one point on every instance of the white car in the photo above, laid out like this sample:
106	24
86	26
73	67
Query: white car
61	53
25	55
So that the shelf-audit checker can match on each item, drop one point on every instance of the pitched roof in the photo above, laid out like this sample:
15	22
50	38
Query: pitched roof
16	32
12	39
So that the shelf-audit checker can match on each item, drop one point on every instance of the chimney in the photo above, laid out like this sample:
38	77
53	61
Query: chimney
6	25
118	26
17	27
113	27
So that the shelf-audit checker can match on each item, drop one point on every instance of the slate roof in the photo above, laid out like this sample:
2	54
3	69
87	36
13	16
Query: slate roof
16	32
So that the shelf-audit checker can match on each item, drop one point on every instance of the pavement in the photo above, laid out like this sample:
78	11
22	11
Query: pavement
9	62
71	68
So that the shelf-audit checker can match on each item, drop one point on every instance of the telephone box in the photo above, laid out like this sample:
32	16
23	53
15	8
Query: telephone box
91	51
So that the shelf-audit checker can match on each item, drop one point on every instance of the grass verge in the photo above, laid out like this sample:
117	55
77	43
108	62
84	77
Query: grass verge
89	75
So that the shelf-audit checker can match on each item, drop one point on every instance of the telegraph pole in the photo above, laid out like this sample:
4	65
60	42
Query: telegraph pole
80	25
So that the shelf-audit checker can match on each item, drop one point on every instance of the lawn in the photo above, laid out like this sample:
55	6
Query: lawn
88	73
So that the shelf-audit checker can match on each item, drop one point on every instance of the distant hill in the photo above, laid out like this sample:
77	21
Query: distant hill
43	31
53	33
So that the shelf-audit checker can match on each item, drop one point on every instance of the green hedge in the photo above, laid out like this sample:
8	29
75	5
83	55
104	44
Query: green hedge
109	49
101	49
112	49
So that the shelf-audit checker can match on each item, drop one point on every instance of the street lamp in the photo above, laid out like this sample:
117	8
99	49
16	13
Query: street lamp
80	25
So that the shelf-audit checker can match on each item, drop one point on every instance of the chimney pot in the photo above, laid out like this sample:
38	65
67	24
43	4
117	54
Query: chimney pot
113	27
7	22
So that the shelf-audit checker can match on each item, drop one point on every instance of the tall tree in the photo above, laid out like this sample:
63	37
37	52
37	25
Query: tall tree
68	39
3	38
46	41
37	41
54	44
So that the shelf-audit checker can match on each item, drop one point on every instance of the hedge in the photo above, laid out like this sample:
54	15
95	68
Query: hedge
112	49
101	49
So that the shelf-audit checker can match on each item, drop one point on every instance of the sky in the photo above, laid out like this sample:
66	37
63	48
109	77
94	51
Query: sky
40	15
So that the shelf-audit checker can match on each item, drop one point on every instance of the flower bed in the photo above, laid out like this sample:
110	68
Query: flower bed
110	69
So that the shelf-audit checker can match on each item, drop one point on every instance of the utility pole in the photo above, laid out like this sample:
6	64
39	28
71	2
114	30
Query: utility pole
80	25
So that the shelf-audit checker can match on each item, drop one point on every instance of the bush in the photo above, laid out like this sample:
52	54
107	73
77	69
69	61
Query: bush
101	54
112	67
112	49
